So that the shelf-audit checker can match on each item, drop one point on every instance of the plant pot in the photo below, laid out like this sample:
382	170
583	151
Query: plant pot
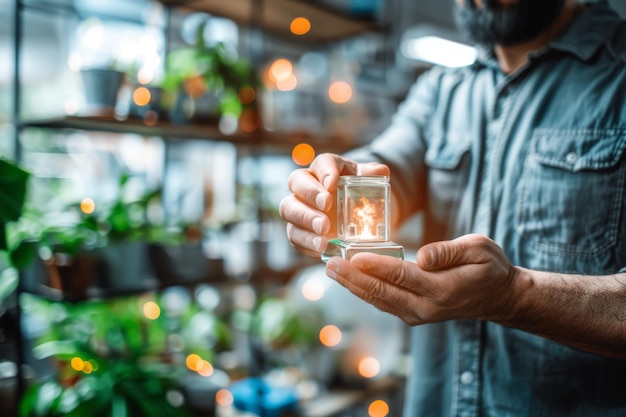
72	275
101	87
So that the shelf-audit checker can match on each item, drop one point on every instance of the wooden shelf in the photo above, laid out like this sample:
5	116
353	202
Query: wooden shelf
282	141
276	15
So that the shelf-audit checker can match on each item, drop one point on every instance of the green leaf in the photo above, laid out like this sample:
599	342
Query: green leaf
13	180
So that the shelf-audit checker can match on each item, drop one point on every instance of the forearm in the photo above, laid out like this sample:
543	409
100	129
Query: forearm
584	312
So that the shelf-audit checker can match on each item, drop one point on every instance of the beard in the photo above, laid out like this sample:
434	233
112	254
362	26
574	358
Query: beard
495	25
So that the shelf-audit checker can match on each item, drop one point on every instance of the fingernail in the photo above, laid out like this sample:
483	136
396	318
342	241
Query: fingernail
430	258
317	225
320	201
317	243
326	182
331	269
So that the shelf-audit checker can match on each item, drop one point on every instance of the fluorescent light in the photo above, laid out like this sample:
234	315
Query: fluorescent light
438	51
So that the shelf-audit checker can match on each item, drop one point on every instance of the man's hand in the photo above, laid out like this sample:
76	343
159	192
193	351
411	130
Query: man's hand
466	278
310	211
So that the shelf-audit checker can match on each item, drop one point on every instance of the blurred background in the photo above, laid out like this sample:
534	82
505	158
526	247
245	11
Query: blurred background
146	271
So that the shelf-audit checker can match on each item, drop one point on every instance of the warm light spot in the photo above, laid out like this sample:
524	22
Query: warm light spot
192	361
369	367
313	290
330	335
224	398
300	26
249	120
378	408
77	363
288	83
87	368
151	310
246	95
150	118
340	92
303	154
87	205
195	87
281	69
145	76
204	368
141	96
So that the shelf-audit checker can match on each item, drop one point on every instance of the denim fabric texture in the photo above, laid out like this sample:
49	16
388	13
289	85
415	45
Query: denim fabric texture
536	160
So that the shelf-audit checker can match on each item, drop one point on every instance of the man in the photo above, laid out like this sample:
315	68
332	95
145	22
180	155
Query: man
518	162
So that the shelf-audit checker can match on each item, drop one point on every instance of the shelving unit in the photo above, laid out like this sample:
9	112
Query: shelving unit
275	16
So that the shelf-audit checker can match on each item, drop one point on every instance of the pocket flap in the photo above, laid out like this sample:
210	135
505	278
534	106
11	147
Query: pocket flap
579	149
446	151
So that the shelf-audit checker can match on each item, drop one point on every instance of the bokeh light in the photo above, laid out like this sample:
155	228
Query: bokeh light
224	398
300	26
303	154
77	363
141	96
369	367
330	335
205	368
246	95
151	310
378	408
87	205
340	92
192	361
313	290
280	70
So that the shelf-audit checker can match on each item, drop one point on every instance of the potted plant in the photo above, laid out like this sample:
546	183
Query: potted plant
211	79
110	360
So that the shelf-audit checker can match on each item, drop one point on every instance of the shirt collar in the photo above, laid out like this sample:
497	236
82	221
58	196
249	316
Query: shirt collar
583	37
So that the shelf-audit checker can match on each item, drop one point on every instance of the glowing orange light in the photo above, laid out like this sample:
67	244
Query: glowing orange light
192	361
249	120
195	87
77	363
87	205
205	368
312	290
300	26
378	408
330	335
141	96
303	154
87	368
287	84
151	310
340	92
369	367
281	69
246	95
224	398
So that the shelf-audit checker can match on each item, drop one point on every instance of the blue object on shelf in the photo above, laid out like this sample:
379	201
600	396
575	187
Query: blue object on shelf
257	396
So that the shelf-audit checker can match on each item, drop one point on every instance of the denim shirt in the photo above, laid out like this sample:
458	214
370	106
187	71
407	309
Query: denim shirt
536	160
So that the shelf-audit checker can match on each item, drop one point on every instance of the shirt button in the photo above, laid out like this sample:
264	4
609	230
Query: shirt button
571	157
467	377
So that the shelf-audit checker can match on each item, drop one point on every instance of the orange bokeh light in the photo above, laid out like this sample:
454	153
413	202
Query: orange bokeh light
151	310
249	120
280	70
340	92
192	361
205	368
141	96
378	408
224	398
369	367
330	335
87	205
246	95
303	154
300	26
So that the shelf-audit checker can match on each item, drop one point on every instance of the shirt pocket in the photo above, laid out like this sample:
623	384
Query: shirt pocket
572	192
448	161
